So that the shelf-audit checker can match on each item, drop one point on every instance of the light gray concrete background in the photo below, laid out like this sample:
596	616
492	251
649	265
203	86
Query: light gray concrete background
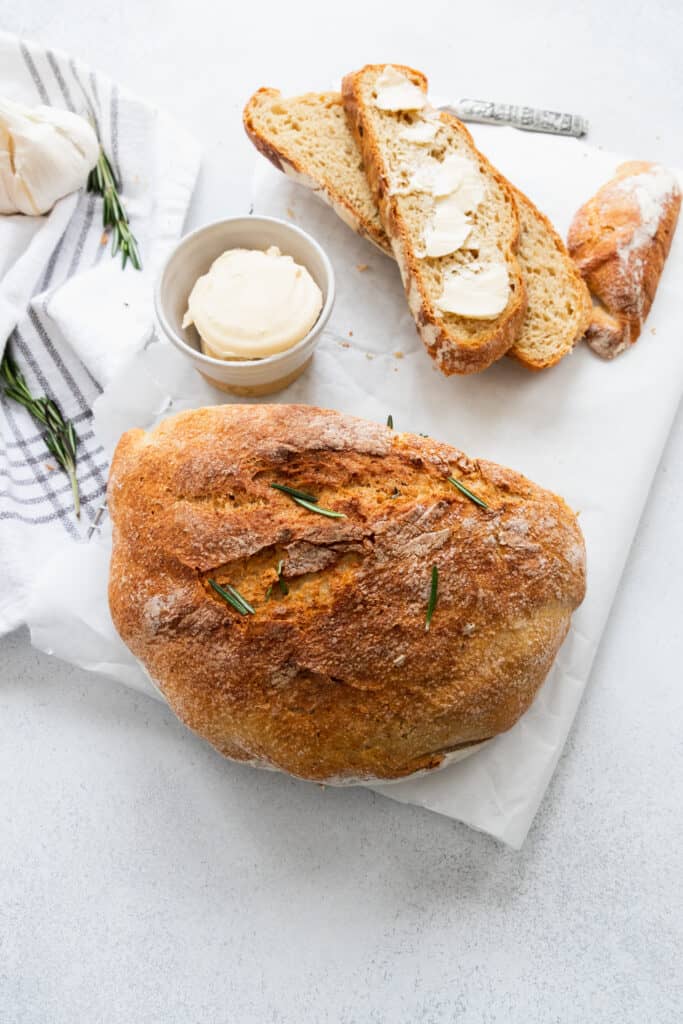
143	878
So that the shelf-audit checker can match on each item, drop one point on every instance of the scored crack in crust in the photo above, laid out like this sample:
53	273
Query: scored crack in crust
336	679
457	344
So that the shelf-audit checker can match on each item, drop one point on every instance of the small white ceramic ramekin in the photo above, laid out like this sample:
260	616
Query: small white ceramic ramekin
193	256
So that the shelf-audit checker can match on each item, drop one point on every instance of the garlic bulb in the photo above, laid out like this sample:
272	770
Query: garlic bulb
45	153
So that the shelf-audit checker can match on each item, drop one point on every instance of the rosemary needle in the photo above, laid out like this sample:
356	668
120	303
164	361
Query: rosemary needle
467	492
432	597
281	583
233	597
293	493
60	437
321	511
307	501
103	182
390	421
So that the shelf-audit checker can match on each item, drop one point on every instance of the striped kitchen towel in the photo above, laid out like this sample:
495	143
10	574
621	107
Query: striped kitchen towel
71	316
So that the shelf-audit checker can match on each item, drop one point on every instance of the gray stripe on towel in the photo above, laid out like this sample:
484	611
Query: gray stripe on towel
57	71
86	96
82	238
33	71
115	132
64	514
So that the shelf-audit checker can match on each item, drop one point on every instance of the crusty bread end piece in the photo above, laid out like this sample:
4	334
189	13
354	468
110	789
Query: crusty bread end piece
620	240
458	344
606	334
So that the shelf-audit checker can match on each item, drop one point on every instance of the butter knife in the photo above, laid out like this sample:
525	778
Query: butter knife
529	119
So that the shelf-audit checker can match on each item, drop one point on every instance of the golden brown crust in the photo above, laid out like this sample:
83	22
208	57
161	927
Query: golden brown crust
452	355
620	250
338	679
262	144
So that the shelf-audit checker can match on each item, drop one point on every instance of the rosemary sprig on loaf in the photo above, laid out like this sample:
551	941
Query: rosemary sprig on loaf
233	597
307	501
467	492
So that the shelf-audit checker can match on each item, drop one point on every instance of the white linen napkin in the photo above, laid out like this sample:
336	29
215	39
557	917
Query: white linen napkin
73	317
26	244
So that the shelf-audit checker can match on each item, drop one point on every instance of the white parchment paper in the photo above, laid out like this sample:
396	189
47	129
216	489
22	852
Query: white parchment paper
592	431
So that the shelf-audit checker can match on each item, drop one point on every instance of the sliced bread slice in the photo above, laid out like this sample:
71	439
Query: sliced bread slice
559	306
468	302
309	140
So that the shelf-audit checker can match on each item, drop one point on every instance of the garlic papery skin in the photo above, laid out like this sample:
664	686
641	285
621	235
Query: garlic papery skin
45	153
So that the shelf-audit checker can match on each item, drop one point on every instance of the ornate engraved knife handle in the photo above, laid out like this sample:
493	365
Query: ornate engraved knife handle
528	118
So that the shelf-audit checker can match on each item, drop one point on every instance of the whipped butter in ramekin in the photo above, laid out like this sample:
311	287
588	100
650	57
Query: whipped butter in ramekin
245	300
252	304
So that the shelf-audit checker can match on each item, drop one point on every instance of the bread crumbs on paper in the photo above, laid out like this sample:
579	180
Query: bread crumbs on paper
360	267
398	354
290	213
369	355
350	334
344	344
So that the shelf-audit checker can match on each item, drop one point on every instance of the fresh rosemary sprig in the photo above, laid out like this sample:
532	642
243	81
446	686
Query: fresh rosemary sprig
233	597
60	437
433	594
308	501
467	492
390	421
103	182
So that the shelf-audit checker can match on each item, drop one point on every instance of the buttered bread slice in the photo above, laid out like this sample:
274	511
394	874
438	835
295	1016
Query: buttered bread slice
308	139
450	217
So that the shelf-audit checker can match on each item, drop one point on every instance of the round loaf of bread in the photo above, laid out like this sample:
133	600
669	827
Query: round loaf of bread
323	660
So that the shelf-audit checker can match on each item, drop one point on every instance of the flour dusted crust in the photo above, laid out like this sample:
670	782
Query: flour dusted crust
456	344
620	243
337	680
